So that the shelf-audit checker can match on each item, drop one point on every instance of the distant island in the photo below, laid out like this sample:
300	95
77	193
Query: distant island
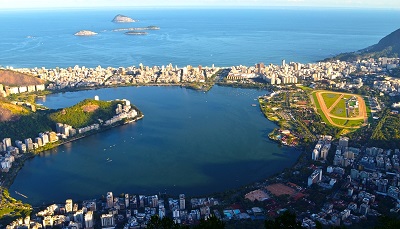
85	33
152	27
122	19
135	33
389	46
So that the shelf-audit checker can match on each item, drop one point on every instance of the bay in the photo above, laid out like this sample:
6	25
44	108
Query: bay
223	37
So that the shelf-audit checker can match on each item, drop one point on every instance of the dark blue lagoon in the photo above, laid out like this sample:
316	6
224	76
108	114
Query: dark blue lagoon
188	142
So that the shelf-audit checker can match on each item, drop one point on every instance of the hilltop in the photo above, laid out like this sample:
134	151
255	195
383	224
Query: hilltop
389	46
11	112
85	113
12	78
18	122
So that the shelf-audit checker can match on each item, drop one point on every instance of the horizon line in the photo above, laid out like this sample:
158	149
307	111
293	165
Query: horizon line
201	7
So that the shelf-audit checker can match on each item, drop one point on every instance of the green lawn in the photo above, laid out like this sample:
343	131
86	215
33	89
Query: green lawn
370	119
348	123
341	122
319	109
306	89
329	98
340	109
354	123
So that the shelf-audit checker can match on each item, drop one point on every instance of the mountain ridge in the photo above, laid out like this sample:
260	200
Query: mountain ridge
388	46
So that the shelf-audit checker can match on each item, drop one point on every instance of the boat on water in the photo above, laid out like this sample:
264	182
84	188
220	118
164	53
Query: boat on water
21	194
253	105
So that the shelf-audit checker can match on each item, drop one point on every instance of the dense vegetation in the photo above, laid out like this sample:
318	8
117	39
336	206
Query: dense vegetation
11	209
286	220
387	132
26	126
18	122
85	113
12	108
395	72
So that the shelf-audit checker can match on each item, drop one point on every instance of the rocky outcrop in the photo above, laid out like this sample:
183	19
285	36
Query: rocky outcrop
85	33
122	19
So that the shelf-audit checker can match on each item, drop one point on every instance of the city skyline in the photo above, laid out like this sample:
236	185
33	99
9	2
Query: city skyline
37	4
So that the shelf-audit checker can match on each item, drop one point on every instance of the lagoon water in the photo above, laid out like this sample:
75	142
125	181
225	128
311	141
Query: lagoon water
189	142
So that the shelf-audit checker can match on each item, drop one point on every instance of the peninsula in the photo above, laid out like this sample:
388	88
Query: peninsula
122	19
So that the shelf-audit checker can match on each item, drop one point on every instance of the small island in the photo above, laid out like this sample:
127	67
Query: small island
85	33
152	27
135	33
122	19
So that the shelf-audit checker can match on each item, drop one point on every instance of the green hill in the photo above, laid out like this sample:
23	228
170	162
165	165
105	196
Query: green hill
85	113
18	122
389	46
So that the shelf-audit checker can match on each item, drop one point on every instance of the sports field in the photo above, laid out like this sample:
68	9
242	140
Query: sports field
340	109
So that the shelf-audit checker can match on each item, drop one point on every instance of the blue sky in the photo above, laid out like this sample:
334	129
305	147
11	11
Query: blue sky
18	4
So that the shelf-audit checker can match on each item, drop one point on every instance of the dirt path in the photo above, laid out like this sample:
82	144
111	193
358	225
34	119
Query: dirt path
335	103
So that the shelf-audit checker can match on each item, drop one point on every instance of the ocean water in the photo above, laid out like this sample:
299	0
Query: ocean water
189	142
188	36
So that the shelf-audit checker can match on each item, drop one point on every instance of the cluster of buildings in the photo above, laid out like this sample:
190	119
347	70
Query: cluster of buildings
123	111
130	211
9	152
9	90
64	78
388	85
322	148
162	75
293	72
336	73
372	172
372	65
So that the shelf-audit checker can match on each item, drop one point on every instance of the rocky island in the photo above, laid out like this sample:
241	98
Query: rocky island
85	33
135	33
152	27
122	19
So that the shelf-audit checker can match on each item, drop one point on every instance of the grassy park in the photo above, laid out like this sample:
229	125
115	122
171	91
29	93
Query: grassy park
334	109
